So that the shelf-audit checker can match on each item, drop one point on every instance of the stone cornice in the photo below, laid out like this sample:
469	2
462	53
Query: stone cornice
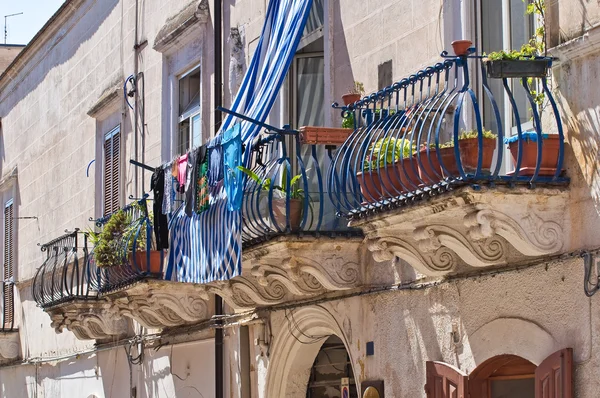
178	26
582	46
104	102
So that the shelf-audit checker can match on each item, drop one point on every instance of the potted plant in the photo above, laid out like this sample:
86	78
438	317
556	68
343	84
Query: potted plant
550	151
526	62
296	197
461	47
468	144
430	167
390	168
113	245
354	93
139	259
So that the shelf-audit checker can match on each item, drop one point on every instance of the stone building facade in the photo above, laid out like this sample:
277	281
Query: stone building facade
479	285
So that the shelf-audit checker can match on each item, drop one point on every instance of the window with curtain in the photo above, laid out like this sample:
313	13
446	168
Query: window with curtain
111	170
505	26
189	135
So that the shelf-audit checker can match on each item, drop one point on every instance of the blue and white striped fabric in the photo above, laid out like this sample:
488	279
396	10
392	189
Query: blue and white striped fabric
208	246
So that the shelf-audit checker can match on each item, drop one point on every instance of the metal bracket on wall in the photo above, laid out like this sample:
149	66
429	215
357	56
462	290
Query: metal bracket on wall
591	282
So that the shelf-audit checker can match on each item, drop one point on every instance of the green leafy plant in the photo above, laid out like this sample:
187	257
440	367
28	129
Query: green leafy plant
357	88
465	135
296	192
116	239
386	151
348	121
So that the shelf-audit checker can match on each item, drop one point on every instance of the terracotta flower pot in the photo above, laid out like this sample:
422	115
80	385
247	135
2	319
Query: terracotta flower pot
389	181
279	211
460	47
469	151
324	135
433	175
141	262
350	98
550	150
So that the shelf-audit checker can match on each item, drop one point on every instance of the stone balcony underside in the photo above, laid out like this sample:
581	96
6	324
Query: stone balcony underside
283	270
470	229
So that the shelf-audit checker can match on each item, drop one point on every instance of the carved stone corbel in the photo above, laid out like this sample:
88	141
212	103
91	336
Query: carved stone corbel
89	320
10	347
158	304
472	229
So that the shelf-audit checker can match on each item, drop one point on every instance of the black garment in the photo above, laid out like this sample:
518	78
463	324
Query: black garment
195	159
161	223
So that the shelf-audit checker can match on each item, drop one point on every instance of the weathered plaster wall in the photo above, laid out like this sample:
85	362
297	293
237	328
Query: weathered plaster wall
531	313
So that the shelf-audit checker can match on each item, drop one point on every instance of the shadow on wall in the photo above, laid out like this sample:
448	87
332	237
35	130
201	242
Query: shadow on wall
343	76
83	25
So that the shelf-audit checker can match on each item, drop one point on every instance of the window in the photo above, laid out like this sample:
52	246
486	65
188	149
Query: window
189	111
504	376
8	296
504	25
331	365
111	168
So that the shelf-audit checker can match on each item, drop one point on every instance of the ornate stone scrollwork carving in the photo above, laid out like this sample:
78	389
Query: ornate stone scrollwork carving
530	234
165	305
471	233
9	345
89	320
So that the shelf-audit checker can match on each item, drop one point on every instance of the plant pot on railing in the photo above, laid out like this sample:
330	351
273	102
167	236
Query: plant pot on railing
505	68
550	152
141	261
461	47
280	212
469	152
389	180
354	93
431	170
324	135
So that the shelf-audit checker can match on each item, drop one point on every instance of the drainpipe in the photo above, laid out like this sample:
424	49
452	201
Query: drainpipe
218	99
135	102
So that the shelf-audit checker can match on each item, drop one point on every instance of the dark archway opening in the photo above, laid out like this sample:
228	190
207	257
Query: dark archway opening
331	365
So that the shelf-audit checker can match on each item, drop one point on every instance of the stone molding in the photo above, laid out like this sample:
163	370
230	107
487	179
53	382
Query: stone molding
181	24
471	230
10	346
88	319
158	304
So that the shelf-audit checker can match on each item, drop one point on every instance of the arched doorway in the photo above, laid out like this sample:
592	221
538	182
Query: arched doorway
331	365
503	376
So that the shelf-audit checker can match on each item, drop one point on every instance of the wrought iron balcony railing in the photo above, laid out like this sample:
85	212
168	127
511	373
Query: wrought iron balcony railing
65	275
286	191
434	131
124	251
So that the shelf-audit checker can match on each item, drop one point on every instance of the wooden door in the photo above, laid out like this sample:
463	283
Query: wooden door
445	381
554	376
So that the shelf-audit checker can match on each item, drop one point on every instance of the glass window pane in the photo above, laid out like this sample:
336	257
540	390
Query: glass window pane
184	137
189	91
310	86
196	135
518	388
315	18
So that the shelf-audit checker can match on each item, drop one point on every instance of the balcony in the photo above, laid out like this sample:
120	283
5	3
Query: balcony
427	176
66	287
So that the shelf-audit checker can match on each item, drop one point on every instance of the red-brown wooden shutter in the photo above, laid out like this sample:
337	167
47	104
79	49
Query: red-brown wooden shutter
554	376
8	274
445	381
112	146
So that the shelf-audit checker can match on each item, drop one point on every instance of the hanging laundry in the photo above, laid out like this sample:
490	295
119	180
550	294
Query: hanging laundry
190	184
215	161
201	200
168	190
232	158
182	172
161	224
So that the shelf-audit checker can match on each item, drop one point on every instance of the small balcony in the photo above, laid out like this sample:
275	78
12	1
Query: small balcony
66	287
431	176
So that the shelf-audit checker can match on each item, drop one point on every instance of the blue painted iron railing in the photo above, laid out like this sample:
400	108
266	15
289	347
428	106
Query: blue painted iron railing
66	274
285	191
132	256
425	134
